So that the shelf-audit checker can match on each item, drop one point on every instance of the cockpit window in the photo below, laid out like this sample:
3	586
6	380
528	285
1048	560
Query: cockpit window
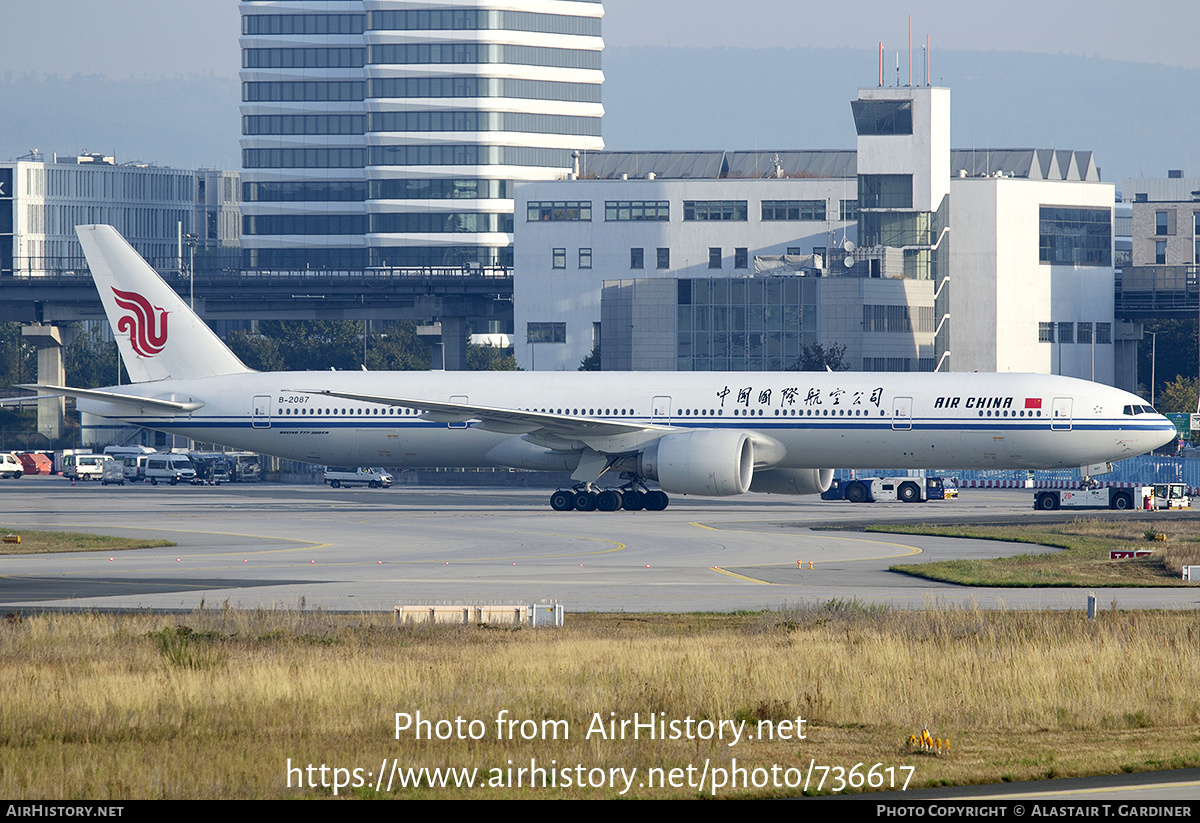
1135	410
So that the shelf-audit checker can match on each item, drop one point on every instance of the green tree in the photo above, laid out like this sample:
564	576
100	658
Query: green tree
592	361
1174	354
817	357
1178	396
256	350
90	362
18	359
490	358
396	347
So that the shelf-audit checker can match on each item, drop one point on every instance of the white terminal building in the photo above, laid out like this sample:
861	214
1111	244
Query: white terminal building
43	199
911	255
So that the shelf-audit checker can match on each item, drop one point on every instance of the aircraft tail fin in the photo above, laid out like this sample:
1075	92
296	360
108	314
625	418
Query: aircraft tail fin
158	335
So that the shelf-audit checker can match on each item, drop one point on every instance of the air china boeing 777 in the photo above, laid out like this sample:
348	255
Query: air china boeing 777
701	433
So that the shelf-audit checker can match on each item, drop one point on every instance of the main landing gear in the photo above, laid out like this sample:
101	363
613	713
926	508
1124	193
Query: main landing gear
589	498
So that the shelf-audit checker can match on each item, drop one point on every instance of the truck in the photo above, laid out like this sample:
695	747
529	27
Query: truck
1159	496
881	489
372	478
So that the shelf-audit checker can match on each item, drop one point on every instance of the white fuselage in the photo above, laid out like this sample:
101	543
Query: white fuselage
823	419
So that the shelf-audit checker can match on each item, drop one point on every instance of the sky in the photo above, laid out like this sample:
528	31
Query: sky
123	39
157	80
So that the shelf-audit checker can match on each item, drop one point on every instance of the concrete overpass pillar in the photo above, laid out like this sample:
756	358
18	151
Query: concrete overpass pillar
454	343
49	342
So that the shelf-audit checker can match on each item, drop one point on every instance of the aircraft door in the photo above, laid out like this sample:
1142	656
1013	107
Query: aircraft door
660	411
458	398
1060	415
902	414
260	415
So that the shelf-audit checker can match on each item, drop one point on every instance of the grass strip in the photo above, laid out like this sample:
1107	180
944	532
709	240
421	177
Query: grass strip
1082	560
35	542
227	703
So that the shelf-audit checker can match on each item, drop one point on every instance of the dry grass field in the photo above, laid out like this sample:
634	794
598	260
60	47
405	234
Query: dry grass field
216	703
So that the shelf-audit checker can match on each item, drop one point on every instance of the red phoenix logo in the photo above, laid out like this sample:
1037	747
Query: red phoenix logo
147	333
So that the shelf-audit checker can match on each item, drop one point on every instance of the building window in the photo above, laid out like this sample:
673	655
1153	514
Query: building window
1160	223
715	210
1196	223
1197	257
1160	252
546	332
849	210
1075	236
793	210
664	258
1083	332
882	117
1045	332
559	210
1066	332
636	210
714	258
637	258
585	258
741	258
559	259
1104	332
885	191
794	250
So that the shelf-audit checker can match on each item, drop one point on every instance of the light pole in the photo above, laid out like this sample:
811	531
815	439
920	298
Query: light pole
191	240
1153	362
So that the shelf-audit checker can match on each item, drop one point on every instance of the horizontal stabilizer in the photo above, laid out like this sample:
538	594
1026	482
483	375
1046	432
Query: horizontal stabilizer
145	404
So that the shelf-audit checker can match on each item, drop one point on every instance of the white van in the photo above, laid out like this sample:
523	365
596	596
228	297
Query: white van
170	468
84	466
10	466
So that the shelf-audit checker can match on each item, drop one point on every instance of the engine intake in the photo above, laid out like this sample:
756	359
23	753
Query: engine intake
710	462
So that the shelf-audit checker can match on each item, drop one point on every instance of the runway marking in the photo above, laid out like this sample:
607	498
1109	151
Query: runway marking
728	573
910	551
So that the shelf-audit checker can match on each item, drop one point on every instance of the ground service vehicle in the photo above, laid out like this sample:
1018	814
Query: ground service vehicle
1108	497
113	472
883	489
169	468
84	466
10	466
1171	496
373	478
698	433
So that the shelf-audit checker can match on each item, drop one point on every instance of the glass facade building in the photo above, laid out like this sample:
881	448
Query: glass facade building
375	134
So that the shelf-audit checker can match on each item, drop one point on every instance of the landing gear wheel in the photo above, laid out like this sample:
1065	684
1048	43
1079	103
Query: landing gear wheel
608	500
562	501
656	501
633	501
909	493
585	502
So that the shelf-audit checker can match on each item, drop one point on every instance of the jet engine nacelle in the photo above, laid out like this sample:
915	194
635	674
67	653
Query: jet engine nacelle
792	481
708	462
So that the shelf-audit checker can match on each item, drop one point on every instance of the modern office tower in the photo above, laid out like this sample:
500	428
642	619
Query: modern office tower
377	133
